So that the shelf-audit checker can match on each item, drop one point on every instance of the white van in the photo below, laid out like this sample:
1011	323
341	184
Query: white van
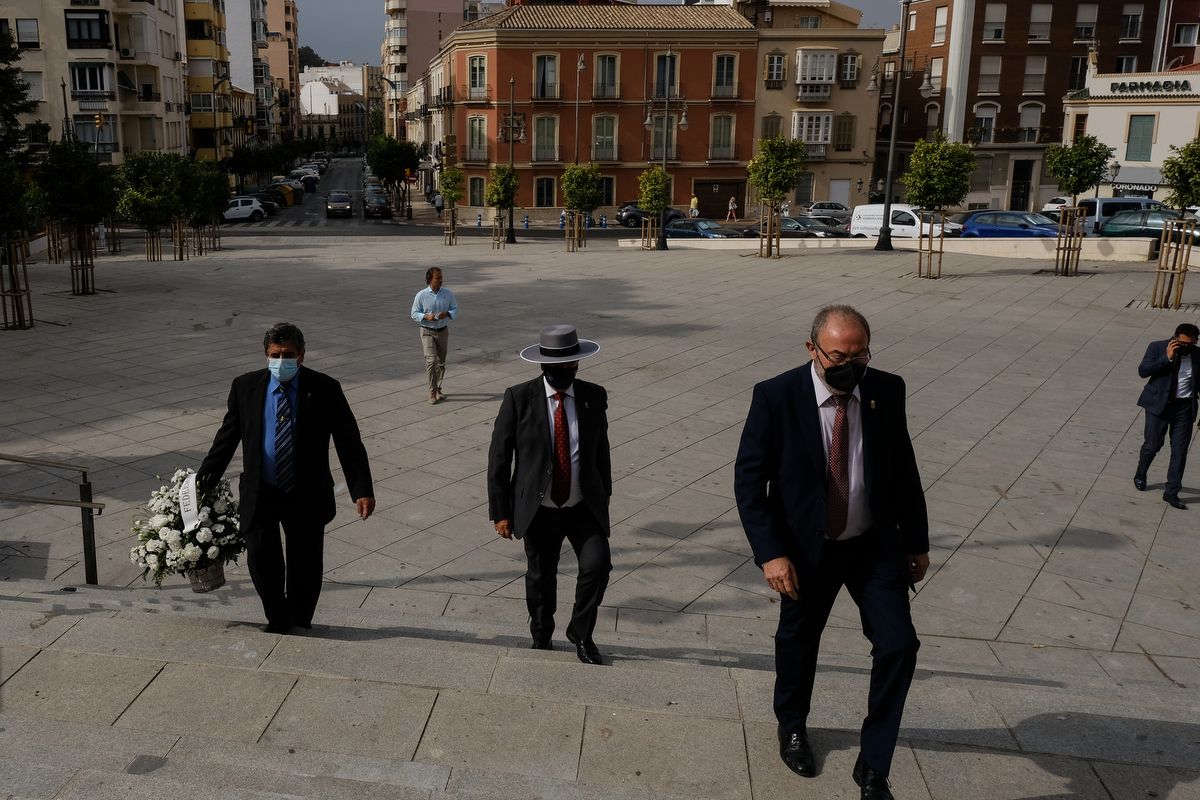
1097	211
907	221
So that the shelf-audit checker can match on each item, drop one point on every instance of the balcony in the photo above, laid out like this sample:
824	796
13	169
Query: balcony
545	153
810	92
721	152
815	152
656	154
394	6
606	91
772	83
541	90
92	44
475	155
725	92
887	87
476	94
605	152
92	94
661	91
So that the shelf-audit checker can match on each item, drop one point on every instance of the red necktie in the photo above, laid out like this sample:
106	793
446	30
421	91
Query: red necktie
560	488
837	505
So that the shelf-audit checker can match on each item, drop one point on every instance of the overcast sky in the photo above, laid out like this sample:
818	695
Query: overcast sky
351	30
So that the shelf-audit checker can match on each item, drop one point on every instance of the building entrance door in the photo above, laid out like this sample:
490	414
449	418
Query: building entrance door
839	191
714	198
1022	181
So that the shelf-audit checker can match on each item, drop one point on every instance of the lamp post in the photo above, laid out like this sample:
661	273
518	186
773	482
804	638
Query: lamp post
511	132
1114	169
885	230
578	74
669	80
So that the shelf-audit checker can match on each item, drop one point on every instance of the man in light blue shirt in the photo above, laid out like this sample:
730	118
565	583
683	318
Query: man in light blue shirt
433	308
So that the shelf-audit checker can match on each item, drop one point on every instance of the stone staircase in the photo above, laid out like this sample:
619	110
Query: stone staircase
127	693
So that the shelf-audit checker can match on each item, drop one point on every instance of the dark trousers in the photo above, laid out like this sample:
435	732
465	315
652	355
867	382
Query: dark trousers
543	542
1178	417
879	586
288	591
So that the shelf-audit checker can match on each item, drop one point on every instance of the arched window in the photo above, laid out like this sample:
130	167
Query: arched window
933	114
885	119
1031	122
983	130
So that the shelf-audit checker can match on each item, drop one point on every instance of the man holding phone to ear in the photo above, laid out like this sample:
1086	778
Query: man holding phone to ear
1172	367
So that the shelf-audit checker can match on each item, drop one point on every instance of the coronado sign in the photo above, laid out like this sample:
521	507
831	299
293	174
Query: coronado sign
1159	87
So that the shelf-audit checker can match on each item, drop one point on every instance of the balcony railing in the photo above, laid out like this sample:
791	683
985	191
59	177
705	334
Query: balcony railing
661	91
476	154
149	97
815	152
656	153
604	152
476	93
545	91
720	152
606	91
813	91
545	152
92	94
772	83
887	86
724	91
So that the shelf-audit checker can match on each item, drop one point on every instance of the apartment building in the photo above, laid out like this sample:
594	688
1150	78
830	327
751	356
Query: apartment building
209	82
363	79
247	41
995	74
623	86
110	73
332	110
283	63
812	86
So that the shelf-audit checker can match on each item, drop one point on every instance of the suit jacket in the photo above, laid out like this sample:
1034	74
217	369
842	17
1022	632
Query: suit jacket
1161	372
781	473
322	413
522	430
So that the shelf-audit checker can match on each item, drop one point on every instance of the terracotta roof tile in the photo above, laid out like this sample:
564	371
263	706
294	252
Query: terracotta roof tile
617	17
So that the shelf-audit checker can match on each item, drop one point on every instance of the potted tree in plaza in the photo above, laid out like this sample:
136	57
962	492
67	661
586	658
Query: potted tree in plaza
80	193
1181	171
451	187
152	197
1077	167
582	194
773	173
206	193
17	217
501	193
654	197
938	178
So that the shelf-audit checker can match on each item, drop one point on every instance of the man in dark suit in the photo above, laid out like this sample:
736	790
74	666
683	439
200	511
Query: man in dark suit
829	495
284	416
1169	397
557	429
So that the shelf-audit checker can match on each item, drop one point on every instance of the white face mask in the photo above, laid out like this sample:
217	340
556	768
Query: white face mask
284	369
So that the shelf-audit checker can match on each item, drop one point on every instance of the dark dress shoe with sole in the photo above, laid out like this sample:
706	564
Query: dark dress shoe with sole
1175	502
585	648
541	644
872	783
796	753
1139	483
277	627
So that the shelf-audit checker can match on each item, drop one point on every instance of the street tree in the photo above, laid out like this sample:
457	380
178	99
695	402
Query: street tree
1181	171
152	195
502	188
206	194
375	122
79	192
773	174
308	57
654	197
1078	166
14	97
938	178
392	162
582	193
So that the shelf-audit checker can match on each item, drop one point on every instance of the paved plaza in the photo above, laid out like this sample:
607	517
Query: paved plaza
1060	621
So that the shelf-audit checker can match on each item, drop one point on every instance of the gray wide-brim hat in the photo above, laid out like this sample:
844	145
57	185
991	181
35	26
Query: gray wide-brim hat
559	344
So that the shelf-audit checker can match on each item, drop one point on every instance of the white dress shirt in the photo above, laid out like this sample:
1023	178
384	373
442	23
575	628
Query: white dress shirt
573	434
1185	385
858	516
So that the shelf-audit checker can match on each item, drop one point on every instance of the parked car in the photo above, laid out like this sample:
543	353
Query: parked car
1056	204
1148	224
908	222
273	195
376	205
319	166
1097	210
799	228
700	229
271	207
244	208
1008	224
631	216
339	204
829	208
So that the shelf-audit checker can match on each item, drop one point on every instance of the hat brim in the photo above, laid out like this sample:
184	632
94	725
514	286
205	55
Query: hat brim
533	353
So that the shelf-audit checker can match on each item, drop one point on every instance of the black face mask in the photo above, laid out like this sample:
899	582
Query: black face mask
560	378
844	377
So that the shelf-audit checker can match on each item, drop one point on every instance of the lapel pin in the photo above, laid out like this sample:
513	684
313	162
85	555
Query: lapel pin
872	405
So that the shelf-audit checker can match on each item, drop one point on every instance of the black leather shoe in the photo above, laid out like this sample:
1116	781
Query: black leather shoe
585	648
1175	502
795	751
1139	483
277	627
541	644
873	783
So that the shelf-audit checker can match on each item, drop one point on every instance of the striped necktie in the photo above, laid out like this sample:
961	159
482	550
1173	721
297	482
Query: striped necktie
285	468
837	504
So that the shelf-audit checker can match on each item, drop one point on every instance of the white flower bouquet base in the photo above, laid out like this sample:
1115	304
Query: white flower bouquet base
192	531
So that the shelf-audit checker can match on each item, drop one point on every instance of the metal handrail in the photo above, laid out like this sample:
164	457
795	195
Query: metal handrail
84	504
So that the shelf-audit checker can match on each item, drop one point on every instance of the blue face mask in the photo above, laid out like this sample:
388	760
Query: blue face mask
284	369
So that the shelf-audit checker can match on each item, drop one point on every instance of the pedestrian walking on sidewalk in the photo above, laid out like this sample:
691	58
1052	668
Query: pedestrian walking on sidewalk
283	417
731	215
556	428
829	496
433	309
694	207
1172	367
439	203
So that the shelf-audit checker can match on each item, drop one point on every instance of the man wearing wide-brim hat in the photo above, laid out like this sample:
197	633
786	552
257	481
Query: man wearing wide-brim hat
556	429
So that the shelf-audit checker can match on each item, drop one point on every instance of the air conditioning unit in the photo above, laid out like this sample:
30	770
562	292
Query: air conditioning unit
126	52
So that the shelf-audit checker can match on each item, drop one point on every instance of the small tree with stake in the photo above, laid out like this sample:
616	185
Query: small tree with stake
451	187
654	196
582	194
773	173
938	178
81	194
152	197
502	190
1077	167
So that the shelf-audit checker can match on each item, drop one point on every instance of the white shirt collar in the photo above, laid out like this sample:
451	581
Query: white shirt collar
551	391
822	391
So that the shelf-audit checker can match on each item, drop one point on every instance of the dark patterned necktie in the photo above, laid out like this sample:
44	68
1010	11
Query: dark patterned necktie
560	488
837	504
285	471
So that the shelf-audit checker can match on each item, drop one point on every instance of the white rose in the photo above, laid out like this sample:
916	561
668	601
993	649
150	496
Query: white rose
213	552
151	560
218	528
204	535
220	506
158	521
191	553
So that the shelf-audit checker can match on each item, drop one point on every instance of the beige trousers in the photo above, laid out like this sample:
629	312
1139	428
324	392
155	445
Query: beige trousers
433	345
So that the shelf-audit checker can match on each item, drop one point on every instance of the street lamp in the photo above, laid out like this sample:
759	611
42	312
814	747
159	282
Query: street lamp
668	75
578	73
513	130
885	230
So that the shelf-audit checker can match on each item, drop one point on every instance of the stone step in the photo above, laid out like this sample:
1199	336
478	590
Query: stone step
89	784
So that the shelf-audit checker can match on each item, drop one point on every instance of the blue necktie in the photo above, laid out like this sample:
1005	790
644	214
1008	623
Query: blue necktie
285	476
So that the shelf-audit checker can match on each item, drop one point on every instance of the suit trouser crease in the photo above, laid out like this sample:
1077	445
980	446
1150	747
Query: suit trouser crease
1177	419
878	586
433	346
290	586
543	544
